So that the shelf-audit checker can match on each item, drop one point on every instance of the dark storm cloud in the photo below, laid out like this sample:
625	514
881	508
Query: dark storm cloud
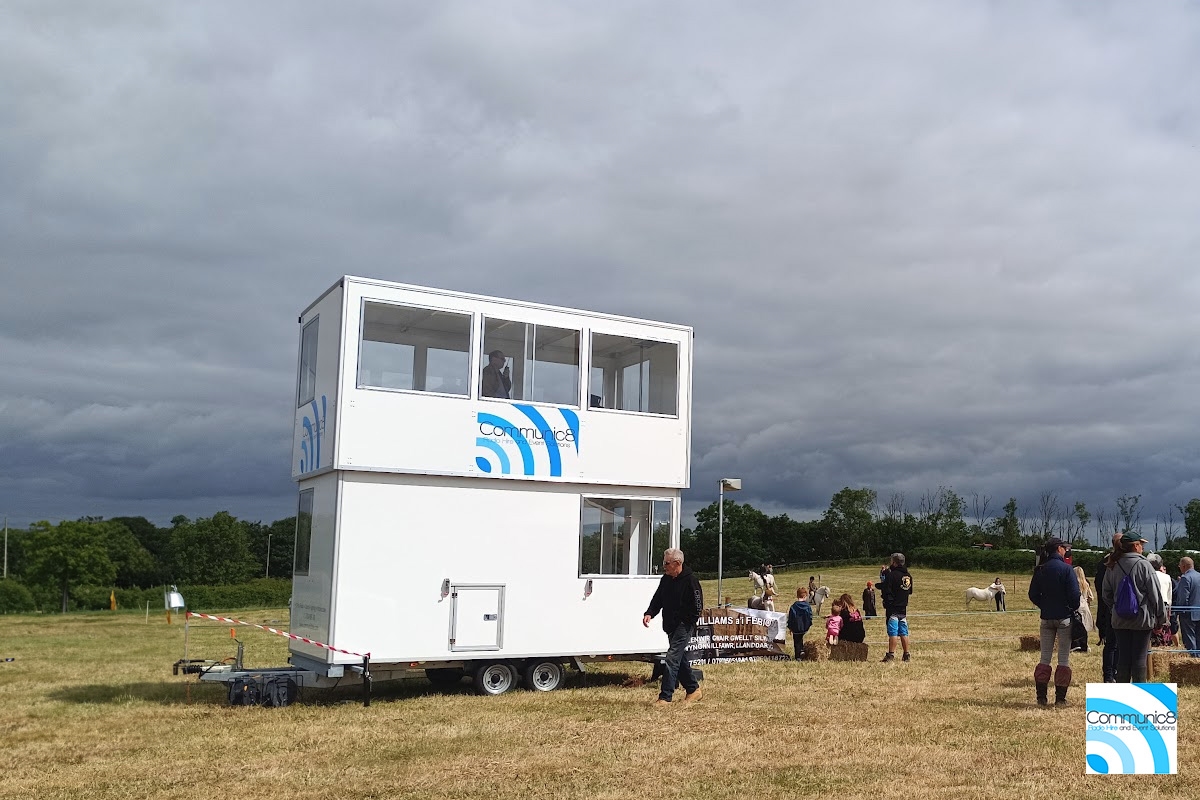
932	244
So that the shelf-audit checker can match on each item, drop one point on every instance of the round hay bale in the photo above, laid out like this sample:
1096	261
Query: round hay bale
1185	671
1030	641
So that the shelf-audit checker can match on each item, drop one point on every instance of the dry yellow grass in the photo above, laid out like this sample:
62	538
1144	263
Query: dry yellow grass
90	710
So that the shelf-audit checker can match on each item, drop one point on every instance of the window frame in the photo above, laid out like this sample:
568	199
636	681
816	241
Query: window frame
471	345
591	333
477	388
672	537
303	399
310	495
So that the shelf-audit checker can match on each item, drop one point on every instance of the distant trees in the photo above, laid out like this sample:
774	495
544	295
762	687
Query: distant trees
70	555
54	563
211	550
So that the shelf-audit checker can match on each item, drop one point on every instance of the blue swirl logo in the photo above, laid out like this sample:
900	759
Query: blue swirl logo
314	429
529	434
1132	728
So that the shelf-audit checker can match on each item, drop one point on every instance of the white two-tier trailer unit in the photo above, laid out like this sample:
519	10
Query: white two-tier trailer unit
463	518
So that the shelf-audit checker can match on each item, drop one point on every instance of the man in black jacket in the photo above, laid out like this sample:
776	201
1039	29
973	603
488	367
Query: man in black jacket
681	601
895	586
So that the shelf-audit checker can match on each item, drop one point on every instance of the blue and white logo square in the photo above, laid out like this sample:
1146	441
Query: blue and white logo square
1132	728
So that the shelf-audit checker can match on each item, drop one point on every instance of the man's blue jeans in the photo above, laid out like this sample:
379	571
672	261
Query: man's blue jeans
1187	632
679	671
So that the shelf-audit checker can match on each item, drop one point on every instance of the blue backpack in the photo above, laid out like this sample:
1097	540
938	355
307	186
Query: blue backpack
1126	604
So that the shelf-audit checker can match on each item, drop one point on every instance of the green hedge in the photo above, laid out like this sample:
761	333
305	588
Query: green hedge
1009	562
15	598
258	593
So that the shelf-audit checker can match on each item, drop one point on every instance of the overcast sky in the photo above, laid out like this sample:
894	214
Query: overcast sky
921	244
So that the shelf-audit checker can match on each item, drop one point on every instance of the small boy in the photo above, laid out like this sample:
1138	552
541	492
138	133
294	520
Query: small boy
799	621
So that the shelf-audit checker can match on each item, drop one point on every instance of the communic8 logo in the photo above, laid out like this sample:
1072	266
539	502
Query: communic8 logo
1135	720
1132	728
529	434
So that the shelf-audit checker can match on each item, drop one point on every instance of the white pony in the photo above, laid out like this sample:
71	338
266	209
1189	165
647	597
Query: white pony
819	597
981	595
757	582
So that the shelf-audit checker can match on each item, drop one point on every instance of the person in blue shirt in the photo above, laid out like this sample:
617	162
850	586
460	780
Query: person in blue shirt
1187	605
1055	591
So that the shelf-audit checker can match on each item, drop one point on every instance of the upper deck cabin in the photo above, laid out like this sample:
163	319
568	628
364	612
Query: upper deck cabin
397	378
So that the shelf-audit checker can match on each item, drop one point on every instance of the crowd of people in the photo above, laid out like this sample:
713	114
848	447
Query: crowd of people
1137	605
845	620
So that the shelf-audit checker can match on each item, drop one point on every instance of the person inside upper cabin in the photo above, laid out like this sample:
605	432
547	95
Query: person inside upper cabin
496	380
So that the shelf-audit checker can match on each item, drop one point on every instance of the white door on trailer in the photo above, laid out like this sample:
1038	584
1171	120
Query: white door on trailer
476	617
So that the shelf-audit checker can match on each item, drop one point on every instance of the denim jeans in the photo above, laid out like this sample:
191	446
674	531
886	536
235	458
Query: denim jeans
678	669
1187	632
1049	630
1132	648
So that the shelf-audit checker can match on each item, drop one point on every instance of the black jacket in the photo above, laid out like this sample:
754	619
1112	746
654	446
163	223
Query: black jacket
897	586
1054	589
680	599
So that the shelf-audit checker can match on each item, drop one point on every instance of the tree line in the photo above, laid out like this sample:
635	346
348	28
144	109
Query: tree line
57	566
856	525
49	566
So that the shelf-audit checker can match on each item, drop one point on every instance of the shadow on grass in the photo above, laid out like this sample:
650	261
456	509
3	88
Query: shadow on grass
164	692
191	692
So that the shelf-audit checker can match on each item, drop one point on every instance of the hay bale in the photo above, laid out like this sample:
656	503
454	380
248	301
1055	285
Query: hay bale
816	651
1158	664
1185	671
848	651
1030	641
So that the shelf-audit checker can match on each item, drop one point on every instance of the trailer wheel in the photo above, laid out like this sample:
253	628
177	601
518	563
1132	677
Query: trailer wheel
542	676
495	677
444	677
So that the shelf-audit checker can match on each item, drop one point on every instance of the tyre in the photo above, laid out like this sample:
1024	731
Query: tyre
495	677
542	676
444	677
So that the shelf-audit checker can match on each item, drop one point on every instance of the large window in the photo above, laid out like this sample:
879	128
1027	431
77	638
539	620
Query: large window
630	374
418	349
623	536
303	533
537	363
307	388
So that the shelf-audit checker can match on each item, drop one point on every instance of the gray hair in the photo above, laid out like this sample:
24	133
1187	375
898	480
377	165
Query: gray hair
673	554
898	559
1155	559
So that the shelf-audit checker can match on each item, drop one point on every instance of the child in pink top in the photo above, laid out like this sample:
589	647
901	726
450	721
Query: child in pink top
833	624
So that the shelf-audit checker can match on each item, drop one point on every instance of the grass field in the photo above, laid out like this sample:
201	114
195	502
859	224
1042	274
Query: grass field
89	709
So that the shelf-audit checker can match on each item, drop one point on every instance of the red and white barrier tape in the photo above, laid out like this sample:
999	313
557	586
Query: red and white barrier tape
278	632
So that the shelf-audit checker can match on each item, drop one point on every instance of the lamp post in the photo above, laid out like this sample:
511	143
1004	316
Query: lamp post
733	485
268	555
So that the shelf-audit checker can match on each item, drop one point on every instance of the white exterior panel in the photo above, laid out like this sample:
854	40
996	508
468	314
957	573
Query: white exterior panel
388	430
401	540
312	593
314	434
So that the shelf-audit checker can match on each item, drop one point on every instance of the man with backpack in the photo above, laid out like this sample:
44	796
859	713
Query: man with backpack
1131	590
1055	591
